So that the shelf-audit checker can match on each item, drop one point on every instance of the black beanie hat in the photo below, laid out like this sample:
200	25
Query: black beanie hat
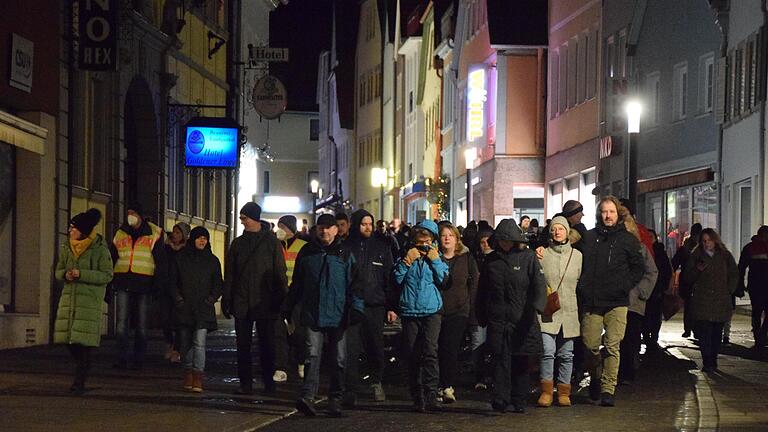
289	221
199	232
85	222
252	210
136	207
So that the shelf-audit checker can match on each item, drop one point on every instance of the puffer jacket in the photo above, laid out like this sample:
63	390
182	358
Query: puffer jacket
78	316
195	286
420	285
713	288
373	257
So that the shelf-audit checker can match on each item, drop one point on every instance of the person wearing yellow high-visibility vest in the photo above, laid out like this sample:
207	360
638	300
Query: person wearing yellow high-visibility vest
286	233
140	271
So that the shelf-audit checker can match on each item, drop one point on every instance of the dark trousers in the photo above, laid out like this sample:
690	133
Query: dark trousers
136	305
760	320
652	321
368	336
710	336
420	336
282	347
511	380
688	321
452	330
265	328
315	341
82	356
630	346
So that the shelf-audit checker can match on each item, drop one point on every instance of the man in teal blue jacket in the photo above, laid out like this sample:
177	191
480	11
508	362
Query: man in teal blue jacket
325	288
420	275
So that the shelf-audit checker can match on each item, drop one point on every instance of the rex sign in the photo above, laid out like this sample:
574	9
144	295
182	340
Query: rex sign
98	28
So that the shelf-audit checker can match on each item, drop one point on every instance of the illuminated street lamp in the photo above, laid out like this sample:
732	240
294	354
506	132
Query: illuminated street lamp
470	155
634	111
314	186
379	180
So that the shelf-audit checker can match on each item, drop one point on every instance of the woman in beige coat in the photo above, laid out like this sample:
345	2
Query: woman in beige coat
562	267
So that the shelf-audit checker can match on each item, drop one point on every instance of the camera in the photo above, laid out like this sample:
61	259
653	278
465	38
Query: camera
423	248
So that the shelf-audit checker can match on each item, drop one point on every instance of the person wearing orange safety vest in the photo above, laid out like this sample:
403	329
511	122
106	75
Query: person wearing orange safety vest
140	271
286	233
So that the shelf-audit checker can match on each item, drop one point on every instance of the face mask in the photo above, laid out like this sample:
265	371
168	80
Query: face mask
281	235
133	220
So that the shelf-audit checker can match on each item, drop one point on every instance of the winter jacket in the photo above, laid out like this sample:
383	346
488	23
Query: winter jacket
460	294
613	265
511	293
665	273
195	285
420	285
138	283
373	257
642	291
755	257
712	289
326	286
255	283
79	316
554	265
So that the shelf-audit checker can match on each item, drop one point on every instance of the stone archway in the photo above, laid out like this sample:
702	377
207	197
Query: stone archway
142	166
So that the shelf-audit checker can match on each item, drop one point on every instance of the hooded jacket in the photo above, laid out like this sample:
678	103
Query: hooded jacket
421	282
195	286
613	265
373	257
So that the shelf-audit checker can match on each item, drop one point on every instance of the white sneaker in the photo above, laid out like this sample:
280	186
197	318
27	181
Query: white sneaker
301	371
280	376
448	395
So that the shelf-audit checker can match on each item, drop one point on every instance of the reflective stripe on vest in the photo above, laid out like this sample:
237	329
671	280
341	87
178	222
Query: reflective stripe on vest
290	257
136	257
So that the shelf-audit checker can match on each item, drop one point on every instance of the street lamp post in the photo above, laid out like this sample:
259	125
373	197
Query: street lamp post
379	178
634	110
470	155
314	186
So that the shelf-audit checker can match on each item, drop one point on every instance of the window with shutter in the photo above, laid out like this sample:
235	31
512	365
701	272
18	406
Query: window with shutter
706	82
652	92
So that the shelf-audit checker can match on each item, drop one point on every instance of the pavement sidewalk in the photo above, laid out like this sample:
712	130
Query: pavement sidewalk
34	394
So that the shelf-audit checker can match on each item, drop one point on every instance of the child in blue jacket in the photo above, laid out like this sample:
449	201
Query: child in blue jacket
420	274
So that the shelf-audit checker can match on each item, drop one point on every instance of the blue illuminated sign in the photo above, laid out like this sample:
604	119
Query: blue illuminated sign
211	147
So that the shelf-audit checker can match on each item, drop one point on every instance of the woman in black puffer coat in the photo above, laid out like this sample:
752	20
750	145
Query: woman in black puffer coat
511	292
196	286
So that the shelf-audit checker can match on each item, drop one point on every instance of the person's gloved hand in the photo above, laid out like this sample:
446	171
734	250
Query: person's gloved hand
412	255
433	254
226	308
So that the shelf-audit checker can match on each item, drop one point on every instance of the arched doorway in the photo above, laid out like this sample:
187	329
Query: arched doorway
142	167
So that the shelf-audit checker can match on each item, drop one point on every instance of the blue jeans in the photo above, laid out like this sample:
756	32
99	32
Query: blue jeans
557	345
314	343
192	347
127	303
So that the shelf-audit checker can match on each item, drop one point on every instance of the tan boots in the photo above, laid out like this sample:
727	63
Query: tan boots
545	399
563	394
193	381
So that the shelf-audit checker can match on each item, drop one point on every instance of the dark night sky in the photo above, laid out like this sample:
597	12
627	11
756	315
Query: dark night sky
303	26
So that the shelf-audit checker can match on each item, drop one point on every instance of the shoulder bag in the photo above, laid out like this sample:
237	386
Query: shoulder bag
553	297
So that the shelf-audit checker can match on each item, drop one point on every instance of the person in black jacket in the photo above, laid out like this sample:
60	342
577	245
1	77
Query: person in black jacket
678	263
512	290
612	266
653	306
195	287
755	258
373	257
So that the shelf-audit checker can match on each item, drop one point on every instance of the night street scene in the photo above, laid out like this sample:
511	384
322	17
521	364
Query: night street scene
383	215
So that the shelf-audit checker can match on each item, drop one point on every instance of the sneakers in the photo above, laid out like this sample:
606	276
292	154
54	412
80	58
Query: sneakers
378	392
606	399
301	371
306	407
449	396
280	376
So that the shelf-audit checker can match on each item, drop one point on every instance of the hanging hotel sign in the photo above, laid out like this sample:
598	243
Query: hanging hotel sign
97	28
269	97
270	54
477	94
22	60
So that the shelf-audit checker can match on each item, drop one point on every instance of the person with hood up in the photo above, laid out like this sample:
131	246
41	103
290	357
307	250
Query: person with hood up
755	258
612	266
195	286
420	275
255	285
512	291
85	266
141	270
373	257
326	287
174	244
562	268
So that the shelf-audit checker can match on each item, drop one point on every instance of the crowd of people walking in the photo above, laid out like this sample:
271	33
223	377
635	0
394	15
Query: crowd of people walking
565	298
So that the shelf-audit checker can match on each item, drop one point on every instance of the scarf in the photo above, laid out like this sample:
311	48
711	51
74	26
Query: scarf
80	246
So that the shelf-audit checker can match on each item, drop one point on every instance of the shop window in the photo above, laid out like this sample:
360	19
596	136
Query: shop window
314	129
678	219
705	199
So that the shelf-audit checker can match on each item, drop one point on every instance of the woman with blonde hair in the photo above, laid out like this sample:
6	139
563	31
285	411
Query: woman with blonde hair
711	276
458	306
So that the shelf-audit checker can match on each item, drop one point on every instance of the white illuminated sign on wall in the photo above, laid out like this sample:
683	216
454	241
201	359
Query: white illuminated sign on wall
476	97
